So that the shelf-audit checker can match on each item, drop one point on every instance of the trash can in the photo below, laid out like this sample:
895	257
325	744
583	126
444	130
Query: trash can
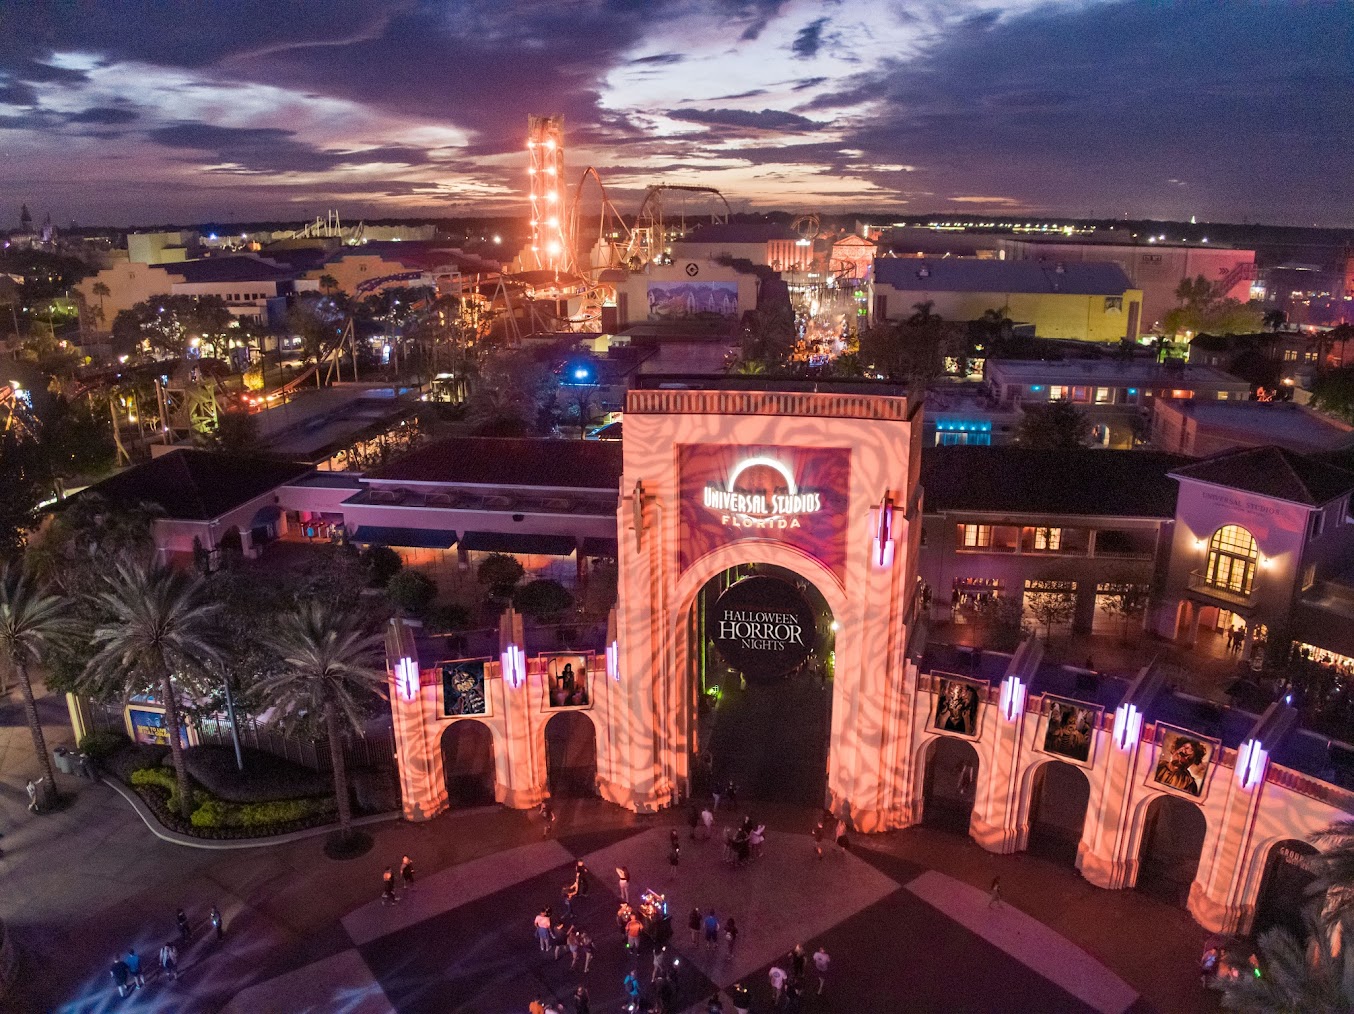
62	756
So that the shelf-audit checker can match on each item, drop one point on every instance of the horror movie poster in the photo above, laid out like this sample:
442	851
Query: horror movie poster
1070	729
797	496
463	688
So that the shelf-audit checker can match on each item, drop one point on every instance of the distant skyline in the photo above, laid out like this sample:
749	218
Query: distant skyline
118	112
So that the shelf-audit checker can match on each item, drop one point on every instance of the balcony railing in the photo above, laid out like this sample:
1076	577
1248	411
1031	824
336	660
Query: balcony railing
1199	583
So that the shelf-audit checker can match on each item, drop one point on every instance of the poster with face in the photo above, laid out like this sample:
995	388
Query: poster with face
957	702
1184	760
462	688
566	681
1070	729
798	496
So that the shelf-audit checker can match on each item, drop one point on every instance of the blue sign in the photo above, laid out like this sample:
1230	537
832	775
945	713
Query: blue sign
149	727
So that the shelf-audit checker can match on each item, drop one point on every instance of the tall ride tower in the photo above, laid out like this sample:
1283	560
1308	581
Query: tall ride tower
549	250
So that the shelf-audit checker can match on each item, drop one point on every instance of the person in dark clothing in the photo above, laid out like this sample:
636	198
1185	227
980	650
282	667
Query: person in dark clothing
581	1000
693	923
581	873
185	931
121	975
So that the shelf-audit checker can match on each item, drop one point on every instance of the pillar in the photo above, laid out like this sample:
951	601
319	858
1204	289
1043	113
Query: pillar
1105	855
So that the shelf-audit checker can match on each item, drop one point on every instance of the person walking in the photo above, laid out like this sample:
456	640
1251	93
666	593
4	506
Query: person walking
574	938
777	977
133	963
659	953
586	945
714	1005
631	985
581	1005
994	895
542	923
821	961
169	960
674	857
730	933
570	892
407	873
708	821
694	819
798	962
623	879
693	923
185	931
547	818
122	977
711	925
674	839
741	997
582	877
633	930
715	795
218	924
731	794
388	887
559	939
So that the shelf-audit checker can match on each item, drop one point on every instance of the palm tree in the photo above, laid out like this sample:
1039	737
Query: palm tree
1334	869
101	290
32	622
330	669
1291	976
158	628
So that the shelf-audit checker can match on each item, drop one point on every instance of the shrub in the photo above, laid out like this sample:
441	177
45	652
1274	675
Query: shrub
101	745
136	757
543	599
382	563
411	592
446	618
500	574
266	777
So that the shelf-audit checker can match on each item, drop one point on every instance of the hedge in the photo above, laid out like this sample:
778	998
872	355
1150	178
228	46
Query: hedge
217	818
101	745
265	778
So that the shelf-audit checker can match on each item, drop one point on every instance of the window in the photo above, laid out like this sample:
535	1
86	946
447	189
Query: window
1103	396
1309	357
1048	539
975	536
1182	394
1308	576
1290	355
1317	525
1114	303
1222	396
1081	394
1232	554
1057	393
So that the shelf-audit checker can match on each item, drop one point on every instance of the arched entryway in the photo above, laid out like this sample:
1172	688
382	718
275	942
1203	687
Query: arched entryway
468	761
1172	841
763	651
950	785
1058	798
571	755
1283	891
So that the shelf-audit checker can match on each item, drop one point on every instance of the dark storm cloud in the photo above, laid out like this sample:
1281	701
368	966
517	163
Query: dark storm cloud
106	116
767	119
16	93
808	40
660	58
808	82
36	72
271	149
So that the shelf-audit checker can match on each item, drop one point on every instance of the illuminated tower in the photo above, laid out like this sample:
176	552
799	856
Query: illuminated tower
545	144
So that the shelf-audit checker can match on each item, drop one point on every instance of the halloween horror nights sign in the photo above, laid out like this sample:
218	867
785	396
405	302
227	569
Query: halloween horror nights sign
762	626
792	495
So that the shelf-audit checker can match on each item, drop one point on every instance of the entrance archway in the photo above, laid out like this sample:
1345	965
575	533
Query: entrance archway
1172	841
1283	890
760	721
1058	798
950	785
571	755
468	760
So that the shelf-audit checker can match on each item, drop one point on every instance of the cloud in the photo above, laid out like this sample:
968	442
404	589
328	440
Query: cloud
104	115
767	119
272	149
660	58
808	40
808	82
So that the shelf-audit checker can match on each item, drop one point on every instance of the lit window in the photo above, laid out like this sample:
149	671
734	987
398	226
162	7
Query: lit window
1308	576
1317	525
1102	396
975	536
1114	303
1232	555
1048	538
1290	355
1057	393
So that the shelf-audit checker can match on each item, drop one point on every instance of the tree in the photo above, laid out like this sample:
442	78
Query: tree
1292	976
331	673
1056	425
318	321
1050	607
500	573
236	433
20	492
910	350
161	634
1275	319
171	323
382	563
1203	310
1125	599
1334	869
544	600
32	622
412	592
1333	392
328	284
515	396
102	291
768	335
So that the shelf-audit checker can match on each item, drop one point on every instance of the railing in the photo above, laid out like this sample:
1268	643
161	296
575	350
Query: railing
1199	583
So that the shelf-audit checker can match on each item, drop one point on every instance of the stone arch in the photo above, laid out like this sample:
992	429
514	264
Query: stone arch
946	793
1058	835
1281	895
468	763
1168	836
569	754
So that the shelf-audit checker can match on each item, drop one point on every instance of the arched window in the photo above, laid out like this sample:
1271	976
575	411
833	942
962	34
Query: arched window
1232	553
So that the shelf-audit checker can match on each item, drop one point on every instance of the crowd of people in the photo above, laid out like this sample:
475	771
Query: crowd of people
129	971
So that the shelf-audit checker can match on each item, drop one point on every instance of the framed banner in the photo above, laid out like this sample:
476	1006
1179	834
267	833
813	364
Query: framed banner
461	691
958	710
1069	729
147	726
566	681
1184	762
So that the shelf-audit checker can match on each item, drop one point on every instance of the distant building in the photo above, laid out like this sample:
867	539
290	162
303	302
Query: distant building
1155	268
1202	428
162	247
1084	302
687	288
778	247
251	286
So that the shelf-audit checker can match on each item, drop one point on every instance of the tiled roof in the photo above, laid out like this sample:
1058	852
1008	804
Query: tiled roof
504	461
1273	472
1022	480
228	269
953	274
195	485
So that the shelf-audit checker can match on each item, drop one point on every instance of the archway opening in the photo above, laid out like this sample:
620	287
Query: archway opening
1283	891
1058	799
468	761
571	755
1172	841
950	785
763	651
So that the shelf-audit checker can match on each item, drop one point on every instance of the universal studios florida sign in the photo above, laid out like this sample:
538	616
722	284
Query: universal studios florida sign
768	496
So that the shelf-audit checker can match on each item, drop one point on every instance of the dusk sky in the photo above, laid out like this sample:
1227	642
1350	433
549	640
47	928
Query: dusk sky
115	112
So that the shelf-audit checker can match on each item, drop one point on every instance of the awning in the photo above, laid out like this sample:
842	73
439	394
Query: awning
407	538
593	546
522	544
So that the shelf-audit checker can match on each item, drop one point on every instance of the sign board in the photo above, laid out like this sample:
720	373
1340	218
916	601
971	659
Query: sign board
762	626
462	690
148	726
797	496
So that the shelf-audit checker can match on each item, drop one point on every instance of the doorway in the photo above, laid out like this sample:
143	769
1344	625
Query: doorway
1058	799
468	761
1283	891
571	755
1172	841
950	785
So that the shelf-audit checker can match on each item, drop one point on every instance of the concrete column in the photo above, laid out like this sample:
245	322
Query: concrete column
1105	855
423	781
520	776
995	824
1215	897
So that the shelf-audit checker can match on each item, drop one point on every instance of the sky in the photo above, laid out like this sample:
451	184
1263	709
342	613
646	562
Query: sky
140	111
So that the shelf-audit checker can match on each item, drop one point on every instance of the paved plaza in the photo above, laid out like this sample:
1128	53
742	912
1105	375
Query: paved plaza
905	916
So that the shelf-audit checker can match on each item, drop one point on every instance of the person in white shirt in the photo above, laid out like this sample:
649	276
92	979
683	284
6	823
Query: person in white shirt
777	977
821	960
